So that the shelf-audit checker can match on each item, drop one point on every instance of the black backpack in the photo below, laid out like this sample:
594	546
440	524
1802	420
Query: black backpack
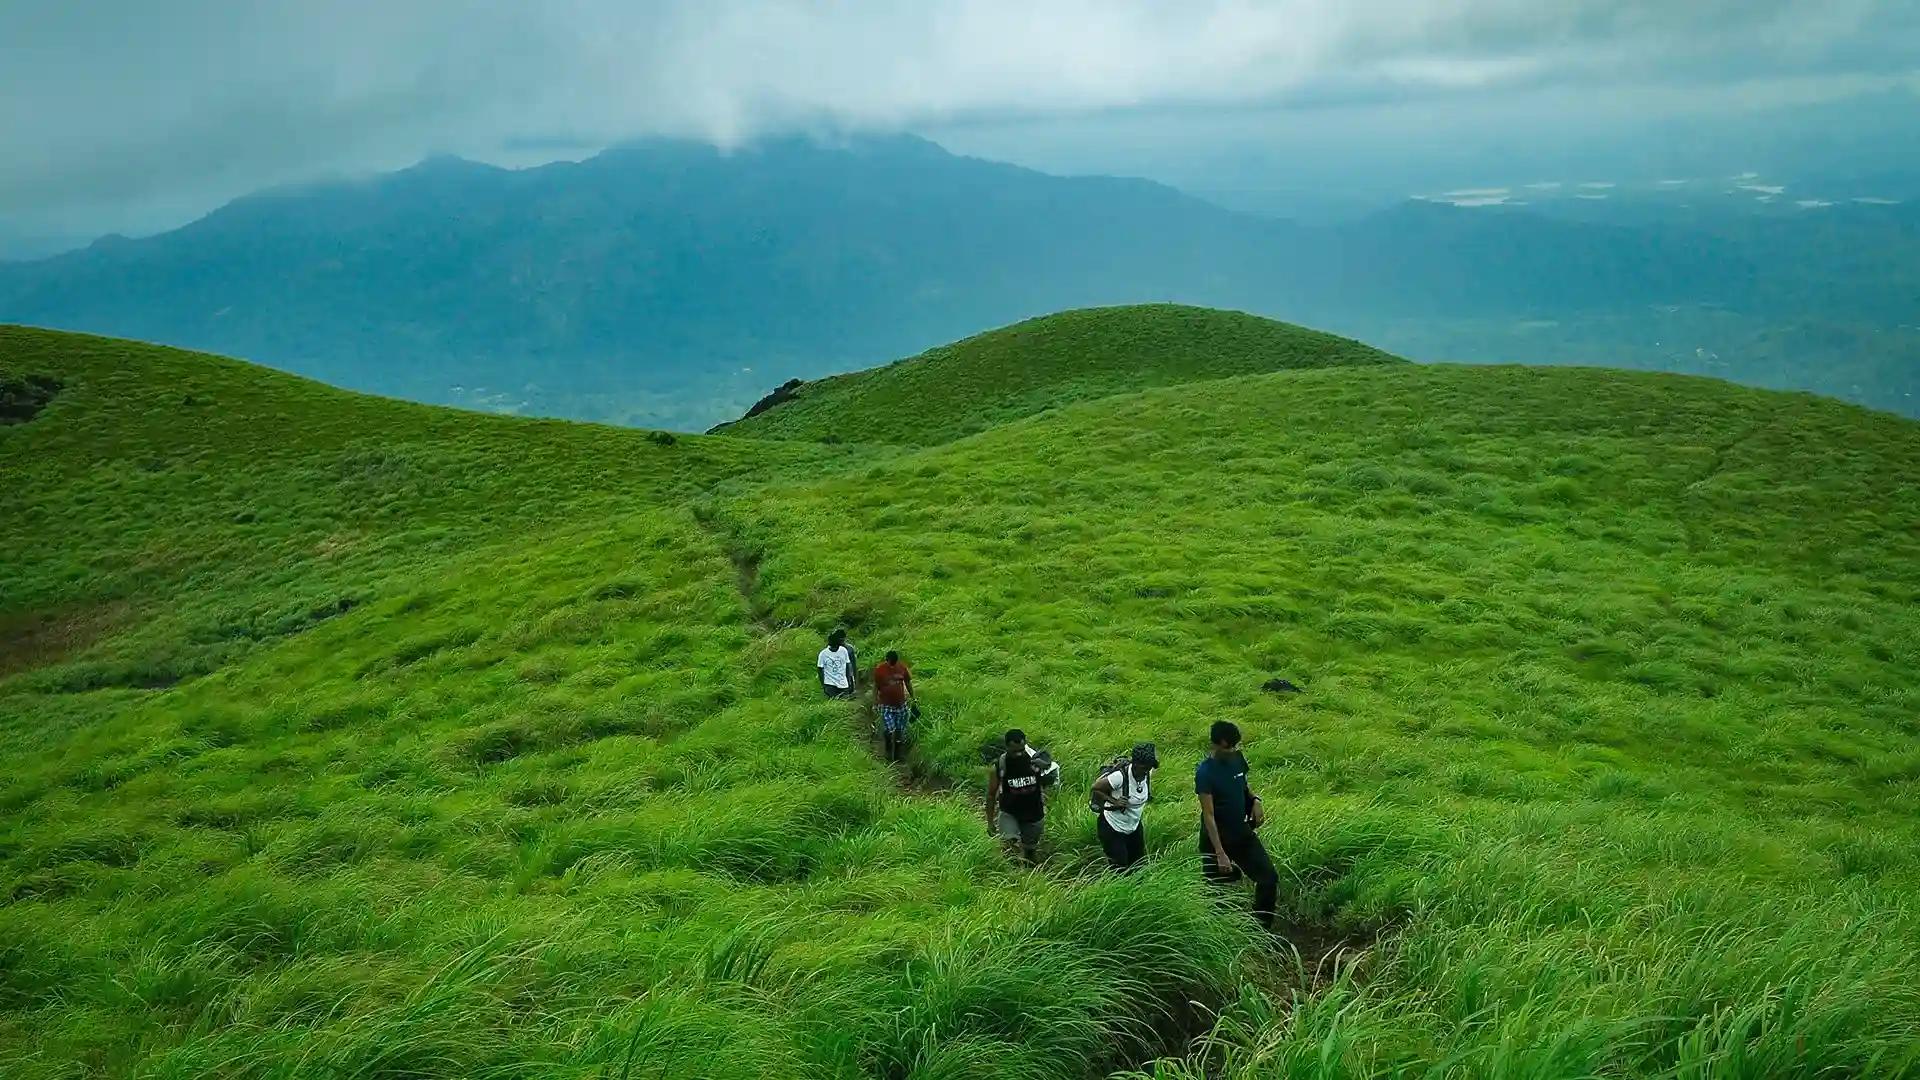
1124	763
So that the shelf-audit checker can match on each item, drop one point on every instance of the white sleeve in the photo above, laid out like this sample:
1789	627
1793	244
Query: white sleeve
821	660
1117	784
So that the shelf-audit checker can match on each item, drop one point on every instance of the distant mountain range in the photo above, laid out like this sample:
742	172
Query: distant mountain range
668	283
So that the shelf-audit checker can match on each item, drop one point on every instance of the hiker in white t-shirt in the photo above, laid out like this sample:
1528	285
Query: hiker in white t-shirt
837	670
1122	796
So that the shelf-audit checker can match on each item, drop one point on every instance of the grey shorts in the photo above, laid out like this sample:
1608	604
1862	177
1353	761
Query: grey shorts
1027	832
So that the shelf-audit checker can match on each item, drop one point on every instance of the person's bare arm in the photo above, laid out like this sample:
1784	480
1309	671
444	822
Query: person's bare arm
909	681
1103	787
1213	833
993	797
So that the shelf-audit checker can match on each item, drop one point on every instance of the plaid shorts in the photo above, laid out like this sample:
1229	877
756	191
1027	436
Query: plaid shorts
894	718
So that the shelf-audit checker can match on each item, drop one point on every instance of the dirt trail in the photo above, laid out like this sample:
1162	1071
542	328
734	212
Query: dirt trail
746	570
39	638
1697	539
914	775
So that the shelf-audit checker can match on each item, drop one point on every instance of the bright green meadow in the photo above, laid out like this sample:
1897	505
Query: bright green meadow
346	737
1041	364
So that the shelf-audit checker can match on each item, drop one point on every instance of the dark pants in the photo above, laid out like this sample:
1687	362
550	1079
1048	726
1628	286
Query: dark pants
837	691
1249	860
1124	850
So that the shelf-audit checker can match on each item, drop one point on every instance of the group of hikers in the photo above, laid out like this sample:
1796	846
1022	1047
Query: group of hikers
1022	776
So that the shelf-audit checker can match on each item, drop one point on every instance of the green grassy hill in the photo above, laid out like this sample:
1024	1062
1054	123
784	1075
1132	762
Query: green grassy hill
347	737
1041	364
1611	685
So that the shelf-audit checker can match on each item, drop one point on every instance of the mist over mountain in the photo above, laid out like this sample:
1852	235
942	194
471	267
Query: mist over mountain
668	283
21	244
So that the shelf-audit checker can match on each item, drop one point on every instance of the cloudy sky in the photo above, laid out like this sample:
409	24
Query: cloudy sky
135	113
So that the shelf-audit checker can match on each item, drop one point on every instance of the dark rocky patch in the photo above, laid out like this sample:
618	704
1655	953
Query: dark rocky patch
1281	686
22	399
782	394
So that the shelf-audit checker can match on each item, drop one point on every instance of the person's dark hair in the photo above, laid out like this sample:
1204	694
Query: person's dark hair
1016	735
892	657
837	635
1226	733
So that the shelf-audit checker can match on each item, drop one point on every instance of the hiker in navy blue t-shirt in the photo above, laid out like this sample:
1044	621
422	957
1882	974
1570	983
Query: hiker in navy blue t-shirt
1229	812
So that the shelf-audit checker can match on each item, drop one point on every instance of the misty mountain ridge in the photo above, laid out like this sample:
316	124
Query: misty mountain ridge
670	283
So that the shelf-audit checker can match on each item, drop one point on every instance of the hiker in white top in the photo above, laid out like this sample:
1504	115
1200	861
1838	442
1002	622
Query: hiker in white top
837	669
1122	797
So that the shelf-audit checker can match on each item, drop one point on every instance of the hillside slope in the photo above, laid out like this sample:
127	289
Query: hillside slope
1609	688
156	468
1041	364
350	737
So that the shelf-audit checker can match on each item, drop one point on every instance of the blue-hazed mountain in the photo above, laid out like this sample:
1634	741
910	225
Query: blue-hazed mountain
669	283
653	271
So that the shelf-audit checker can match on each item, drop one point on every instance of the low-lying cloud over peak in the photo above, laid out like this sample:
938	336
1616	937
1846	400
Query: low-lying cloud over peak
123	101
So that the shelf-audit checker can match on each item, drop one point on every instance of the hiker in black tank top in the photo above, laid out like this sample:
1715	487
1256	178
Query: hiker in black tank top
1016	795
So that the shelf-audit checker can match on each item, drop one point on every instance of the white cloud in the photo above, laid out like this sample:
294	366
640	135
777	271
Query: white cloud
116	100
1481	196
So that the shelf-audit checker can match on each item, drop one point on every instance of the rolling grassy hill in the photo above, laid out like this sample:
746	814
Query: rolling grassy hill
348	737
363	738
1040	364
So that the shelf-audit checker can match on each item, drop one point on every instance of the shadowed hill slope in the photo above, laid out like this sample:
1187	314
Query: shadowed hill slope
1029	367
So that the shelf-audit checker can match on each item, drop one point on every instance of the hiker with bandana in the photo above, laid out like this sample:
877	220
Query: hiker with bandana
1121	797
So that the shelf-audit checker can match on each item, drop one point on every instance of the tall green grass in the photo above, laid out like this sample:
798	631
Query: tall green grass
352	738
1610	687
421	744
